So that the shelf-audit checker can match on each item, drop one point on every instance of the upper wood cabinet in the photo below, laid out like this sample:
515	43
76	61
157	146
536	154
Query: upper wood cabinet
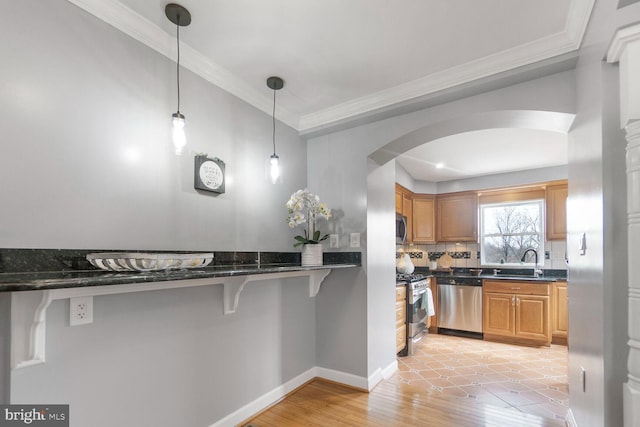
457	215
404	206
407	211
556	201
424	218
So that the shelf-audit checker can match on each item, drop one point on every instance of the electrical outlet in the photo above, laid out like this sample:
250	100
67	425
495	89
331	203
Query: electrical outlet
80	311
354	240
333	241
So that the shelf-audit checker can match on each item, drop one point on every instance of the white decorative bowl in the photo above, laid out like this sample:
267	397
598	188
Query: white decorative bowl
133	261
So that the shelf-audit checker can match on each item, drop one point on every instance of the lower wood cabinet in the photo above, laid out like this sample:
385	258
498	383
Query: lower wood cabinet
517	312
432	321
401	318
559	313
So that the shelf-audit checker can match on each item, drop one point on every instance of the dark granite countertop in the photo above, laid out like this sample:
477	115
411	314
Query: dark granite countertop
505	277
506	274
10	282
13	278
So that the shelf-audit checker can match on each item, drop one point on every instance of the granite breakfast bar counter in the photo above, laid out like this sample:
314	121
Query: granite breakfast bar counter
32	292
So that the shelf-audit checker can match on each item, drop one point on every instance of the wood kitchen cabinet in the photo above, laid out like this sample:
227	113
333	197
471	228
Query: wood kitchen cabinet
398	201
401	317
432	321
559	313
404	206
556	203
424	218
457	215
516	312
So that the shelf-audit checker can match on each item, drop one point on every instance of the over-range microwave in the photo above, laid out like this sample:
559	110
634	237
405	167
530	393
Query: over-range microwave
401	229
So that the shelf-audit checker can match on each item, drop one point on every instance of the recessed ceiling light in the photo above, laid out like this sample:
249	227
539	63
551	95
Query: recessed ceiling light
439	165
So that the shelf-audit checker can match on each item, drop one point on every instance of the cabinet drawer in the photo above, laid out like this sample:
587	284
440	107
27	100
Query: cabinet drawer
401	293
516	287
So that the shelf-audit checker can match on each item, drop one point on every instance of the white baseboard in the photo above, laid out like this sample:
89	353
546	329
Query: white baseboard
569	420
265	400
343	377
381	374
278	393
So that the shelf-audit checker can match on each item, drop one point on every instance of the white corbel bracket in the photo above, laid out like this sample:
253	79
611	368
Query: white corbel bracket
29	308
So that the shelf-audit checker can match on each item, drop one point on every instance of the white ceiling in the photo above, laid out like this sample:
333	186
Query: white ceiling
342	59
485	152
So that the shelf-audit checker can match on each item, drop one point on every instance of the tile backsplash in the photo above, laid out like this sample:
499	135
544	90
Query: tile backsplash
467	255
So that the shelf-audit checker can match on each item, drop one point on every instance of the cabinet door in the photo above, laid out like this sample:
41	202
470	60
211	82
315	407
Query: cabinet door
433	320
559	313
498	314
401	338
398	202
457	216
424	219
401	313
557	212
401	317
407	211
532	318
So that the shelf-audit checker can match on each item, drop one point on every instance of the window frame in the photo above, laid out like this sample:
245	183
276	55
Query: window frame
541	233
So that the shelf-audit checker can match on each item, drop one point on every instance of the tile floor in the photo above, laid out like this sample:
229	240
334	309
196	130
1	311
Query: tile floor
532	380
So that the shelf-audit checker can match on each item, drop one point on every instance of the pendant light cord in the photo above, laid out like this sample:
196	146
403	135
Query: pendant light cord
273	116
178	63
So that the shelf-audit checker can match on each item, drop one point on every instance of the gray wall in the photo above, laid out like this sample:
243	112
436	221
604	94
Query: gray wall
87	159
597	206
5	353
78	101
171	358
381	331
337	169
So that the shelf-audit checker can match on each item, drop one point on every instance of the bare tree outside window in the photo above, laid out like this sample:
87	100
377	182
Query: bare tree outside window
509	229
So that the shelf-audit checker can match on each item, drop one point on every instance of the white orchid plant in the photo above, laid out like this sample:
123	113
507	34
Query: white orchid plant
304	208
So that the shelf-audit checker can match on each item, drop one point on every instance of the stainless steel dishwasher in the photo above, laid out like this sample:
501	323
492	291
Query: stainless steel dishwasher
460	306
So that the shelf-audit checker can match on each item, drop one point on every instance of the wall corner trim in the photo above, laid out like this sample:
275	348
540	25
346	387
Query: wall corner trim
570	420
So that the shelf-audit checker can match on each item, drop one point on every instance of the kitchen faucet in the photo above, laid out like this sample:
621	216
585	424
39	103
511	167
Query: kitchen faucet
536	270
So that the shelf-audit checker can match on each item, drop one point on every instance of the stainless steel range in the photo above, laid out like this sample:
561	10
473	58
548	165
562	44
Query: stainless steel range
417	309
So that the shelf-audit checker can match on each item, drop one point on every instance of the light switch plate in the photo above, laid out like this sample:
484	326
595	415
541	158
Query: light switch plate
334	241
583	244
354	240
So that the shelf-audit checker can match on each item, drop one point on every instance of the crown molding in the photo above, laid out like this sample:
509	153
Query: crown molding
621	39
135	25
538	50
141	29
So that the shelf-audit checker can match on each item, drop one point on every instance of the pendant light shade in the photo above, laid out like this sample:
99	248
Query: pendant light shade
181	17
275	84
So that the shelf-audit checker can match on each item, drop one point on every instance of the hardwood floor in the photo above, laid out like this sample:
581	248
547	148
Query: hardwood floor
449	381
321	403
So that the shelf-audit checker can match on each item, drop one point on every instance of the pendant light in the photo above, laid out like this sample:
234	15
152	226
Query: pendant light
274	83
181	17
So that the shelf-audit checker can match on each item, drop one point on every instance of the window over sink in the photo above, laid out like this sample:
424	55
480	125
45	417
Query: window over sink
508	229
